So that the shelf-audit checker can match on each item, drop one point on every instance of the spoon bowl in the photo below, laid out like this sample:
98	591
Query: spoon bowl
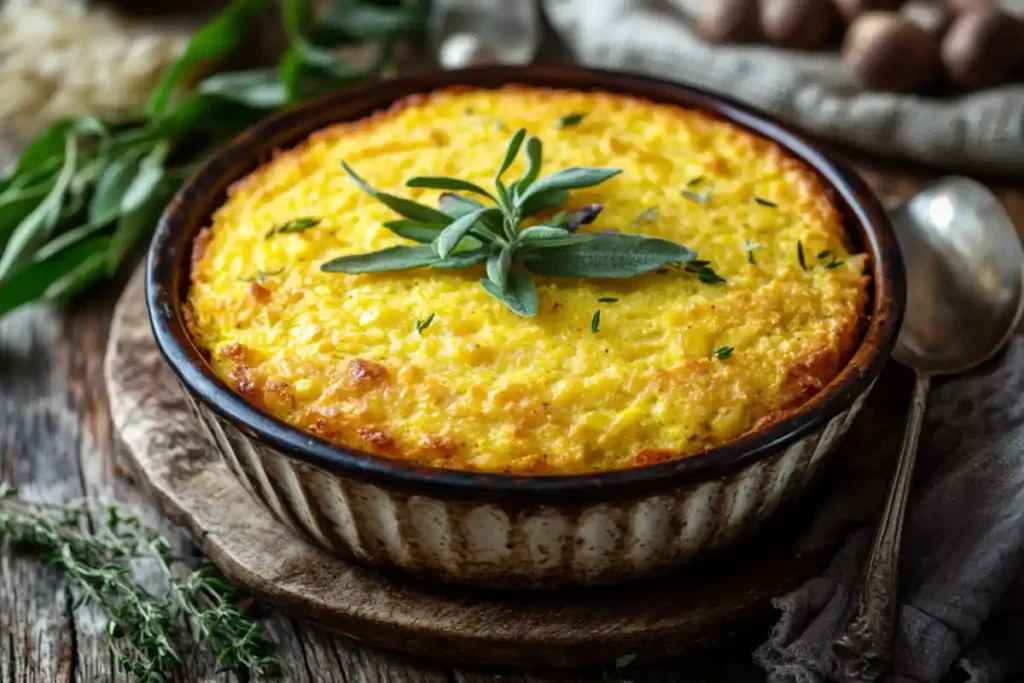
964	277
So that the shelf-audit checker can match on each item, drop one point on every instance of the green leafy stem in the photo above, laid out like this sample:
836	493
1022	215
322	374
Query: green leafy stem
466	232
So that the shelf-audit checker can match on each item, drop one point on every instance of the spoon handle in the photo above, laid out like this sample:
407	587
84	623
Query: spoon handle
863	647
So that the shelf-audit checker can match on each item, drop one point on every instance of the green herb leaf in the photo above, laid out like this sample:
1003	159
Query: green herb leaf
800	255
424	233
385	260
568	120
139	221
37	227
822	255
624	661
723	352
457	206
215	40
463	256
262	275
541	202
261	89
607	256
648	216
697	197
751	246
151	172
424	324
511	152
608	300
543	233
299	225
499	264
833	265
444	183
569	179
457	229
706	274
534	157
111	189
403	207
35	280
519	293
765	202
694	182
595	322
362	20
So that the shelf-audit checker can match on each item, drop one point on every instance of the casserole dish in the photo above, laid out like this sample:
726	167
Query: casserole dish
501	529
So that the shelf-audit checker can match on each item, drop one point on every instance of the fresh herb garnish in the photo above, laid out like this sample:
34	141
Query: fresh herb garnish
698	197
466	232
765	202
424	324
262	275
822	255
832	265
144	628
573	119
648	216
704	272
296	225
595	322
694	182
800	255
608	300
723	352
572	220
751	246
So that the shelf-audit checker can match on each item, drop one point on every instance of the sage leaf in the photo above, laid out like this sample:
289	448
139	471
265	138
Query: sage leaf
385	260
570	179
499	263
570	120
425	233
444	183
519	293
534	158
32	281
456	205
511	152
362	20
82	276
541	202
463	257
259	88
105	206
17	203
295	226
457	229
151	172
400	205
607	256
132	225
37	227
215	40
539	233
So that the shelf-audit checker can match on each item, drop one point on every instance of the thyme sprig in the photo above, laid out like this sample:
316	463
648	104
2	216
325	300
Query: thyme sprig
467	232
143	628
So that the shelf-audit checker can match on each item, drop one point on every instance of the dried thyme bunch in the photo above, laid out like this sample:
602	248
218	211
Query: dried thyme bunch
142	627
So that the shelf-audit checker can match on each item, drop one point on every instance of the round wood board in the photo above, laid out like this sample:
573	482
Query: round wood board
682	612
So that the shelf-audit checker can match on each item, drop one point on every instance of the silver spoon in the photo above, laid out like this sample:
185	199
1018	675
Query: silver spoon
965	274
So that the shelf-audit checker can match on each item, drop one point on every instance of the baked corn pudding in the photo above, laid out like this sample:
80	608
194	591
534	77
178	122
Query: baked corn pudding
609	371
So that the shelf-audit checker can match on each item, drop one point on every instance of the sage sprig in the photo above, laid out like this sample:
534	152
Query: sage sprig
478	226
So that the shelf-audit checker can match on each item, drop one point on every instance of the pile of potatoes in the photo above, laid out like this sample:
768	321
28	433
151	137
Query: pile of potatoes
889	44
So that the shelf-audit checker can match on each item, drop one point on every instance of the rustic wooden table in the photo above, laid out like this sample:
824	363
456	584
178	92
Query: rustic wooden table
56	443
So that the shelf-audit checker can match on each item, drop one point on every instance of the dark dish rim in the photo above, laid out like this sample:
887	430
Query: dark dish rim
167	276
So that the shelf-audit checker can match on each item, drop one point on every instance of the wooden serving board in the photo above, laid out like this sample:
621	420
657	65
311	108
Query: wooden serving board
656	618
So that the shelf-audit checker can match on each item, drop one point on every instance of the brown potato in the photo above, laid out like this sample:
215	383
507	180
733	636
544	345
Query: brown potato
888	52
801	24
728	21
851	9
933	17
983	47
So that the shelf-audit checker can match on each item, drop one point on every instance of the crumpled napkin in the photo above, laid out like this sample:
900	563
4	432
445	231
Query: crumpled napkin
961	604
980	131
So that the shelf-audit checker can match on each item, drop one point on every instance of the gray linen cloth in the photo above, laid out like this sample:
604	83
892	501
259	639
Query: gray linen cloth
962	585
981	131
